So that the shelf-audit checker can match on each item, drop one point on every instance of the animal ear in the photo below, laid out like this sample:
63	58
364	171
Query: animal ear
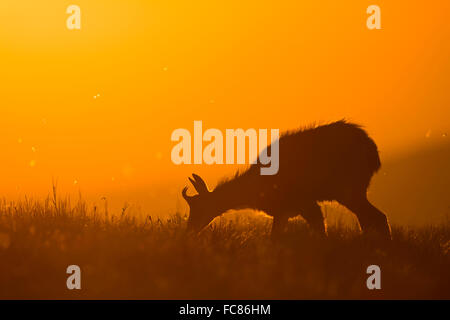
199	184
192	181
195	184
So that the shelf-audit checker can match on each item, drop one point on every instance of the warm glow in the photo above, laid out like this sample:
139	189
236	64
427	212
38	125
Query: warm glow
94	108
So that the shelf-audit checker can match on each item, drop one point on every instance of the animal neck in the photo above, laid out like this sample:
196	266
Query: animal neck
236	193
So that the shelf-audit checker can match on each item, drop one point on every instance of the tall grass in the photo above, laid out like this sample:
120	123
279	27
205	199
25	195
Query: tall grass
142	257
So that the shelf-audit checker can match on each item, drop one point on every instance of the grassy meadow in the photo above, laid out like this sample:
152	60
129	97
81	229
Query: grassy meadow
142	257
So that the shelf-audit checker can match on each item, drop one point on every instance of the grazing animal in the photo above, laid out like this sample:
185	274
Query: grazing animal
335	161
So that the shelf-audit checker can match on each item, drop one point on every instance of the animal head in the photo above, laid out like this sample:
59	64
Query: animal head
202	209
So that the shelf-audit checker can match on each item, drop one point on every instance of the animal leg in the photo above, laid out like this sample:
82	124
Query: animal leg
370	218
313	215
278	226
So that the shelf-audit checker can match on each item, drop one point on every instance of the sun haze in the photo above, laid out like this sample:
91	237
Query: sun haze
94	108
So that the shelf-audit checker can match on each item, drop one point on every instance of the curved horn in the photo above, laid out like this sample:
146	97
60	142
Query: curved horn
199	185
185	196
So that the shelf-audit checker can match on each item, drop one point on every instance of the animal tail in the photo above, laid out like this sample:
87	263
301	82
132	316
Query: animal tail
373	156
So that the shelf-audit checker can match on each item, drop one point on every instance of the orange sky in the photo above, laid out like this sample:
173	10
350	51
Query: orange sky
160	65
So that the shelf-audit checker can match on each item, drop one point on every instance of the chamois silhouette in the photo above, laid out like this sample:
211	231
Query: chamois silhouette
335	161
